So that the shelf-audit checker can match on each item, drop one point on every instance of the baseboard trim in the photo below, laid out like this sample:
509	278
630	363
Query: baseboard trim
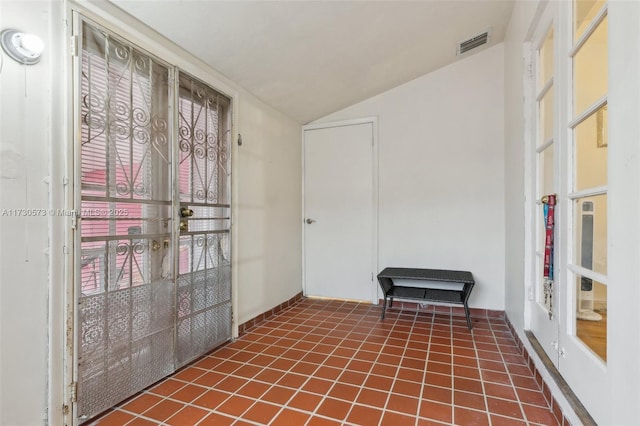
246	326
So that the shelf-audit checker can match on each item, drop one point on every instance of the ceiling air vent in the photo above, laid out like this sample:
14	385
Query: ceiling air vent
473	42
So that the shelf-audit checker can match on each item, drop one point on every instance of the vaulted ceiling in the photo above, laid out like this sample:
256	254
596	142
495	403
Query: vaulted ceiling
310	58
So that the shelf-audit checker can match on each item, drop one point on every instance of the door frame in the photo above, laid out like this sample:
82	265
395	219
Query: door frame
115	20
546	330
373	120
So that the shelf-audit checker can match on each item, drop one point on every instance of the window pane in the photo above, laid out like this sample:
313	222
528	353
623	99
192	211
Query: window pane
591	152
545	171
545	56
545	120
591	315
590	225
590	69
583	13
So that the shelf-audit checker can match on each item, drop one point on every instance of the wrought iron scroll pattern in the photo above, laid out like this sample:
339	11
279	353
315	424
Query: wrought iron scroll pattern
204	280
126	327
203	143
124	124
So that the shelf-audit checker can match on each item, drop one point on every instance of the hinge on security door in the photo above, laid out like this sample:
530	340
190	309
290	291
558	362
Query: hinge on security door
74	45
530	70
74	222
73	389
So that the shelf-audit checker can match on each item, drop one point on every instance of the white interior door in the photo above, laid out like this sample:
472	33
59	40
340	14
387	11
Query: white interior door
339	200
583	325
545	304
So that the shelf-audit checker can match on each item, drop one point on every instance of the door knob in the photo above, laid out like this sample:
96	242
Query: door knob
186	212
309	221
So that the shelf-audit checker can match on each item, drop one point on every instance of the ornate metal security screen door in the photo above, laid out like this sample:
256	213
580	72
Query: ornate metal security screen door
153	282
204	268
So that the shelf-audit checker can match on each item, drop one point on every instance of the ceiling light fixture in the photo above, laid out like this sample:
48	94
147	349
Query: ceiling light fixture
21	47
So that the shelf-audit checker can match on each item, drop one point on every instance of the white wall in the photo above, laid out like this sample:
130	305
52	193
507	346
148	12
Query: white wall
269	209
33	146
623	293
25	142
441	172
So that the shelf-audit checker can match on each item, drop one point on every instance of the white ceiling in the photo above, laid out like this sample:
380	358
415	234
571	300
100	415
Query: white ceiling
311	58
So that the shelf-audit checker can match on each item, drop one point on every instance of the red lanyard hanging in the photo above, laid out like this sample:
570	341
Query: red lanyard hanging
549	202
549	222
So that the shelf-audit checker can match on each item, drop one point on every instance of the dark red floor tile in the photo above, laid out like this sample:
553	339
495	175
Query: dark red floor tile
261	413
403	404
278	395
467	385
167	387
464	417
141	403
187	416
235	406
211	399
467	372
210	379
378	382
403	387
365	416
305	401
396	419
372	397
231	384
139	421
290	417
319	386
504	408
531	397
253	389
469	400
328	373
495	376
163	410
334	408
540	415
216	419
328	362
436	411
500	391
344	391
524	382
115	418
505	421
189	393
353	377
434	393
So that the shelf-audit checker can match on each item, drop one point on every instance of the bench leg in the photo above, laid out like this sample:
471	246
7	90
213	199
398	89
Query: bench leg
391	302
466	311
384	306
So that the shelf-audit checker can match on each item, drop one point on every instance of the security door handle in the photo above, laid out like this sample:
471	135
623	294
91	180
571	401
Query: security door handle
309	221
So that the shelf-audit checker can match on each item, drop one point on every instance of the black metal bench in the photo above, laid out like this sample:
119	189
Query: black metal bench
451	296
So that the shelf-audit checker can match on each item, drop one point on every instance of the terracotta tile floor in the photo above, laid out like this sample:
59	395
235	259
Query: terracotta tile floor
327	363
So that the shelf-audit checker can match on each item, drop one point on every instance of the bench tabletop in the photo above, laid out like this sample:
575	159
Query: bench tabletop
428	274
